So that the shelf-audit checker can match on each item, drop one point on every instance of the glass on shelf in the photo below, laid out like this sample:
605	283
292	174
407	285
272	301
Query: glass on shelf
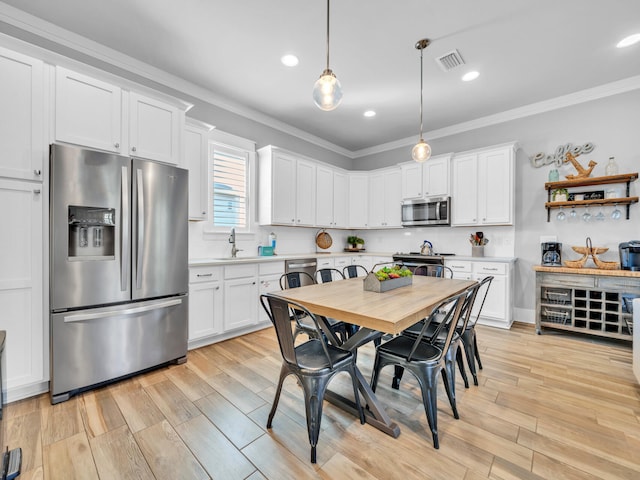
612	167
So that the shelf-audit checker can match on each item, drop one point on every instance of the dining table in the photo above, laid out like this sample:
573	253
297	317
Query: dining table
388	312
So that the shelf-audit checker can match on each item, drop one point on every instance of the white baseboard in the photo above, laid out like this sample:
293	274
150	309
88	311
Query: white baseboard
25	391
524	315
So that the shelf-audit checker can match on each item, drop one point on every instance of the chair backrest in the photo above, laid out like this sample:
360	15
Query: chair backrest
430	270
353	271
449	309
295	280
278	310
481	296
325	275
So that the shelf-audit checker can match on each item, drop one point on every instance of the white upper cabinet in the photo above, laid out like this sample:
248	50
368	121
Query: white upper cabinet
385	198
88	111
483	186
286	188
196	160
429	179
154	129
358	195
332	195
22	114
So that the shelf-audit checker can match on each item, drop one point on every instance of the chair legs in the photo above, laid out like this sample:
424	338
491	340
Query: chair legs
427	378
471	352
314	388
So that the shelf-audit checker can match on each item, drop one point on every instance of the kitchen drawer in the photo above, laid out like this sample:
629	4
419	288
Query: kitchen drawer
459	266
204	274
569	280
323	262
490	268
619	283
342	262
240	271
271	268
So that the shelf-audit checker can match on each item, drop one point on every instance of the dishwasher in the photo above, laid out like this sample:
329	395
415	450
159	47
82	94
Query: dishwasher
306	265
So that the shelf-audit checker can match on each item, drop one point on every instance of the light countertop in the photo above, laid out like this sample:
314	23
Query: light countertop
194	262
588	271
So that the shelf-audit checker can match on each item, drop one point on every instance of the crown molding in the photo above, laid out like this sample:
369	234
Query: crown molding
52	33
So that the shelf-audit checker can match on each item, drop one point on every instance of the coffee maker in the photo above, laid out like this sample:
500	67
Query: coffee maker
551	254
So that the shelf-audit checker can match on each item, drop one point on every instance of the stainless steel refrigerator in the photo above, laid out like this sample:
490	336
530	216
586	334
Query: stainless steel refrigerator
118	267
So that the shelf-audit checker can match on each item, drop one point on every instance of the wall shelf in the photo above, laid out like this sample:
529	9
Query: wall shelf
626	178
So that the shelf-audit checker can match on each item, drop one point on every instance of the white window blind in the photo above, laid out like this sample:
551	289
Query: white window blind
229	179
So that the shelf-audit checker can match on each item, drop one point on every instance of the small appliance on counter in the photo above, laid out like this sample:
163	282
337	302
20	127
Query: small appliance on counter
630	255
551	254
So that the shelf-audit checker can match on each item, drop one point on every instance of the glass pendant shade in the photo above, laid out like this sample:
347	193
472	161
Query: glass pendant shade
421	152
327	91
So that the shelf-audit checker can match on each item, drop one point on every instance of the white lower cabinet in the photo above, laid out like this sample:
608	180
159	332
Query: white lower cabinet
269	274
205	303
497	309
240	292
22	287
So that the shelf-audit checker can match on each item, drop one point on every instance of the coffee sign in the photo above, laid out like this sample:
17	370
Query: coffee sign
560	155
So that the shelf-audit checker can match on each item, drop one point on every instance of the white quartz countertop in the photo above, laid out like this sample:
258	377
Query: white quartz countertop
194	262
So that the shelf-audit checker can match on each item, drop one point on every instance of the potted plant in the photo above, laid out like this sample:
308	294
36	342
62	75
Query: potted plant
359	243
560	195
352	241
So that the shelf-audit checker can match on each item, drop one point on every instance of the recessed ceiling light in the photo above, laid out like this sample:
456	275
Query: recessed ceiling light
369	113
628	41
467	77
289	60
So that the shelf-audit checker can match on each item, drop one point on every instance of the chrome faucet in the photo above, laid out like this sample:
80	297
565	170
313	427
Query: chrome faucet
232	241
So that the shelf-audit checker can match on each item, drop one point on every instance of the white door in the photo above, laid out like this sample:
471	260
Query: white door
495	193
283	189
88	112
393	199
305	193
22	148
411	181
358	206
436	177
464	196
340	199
196	156
154	129
377	200
324	197
205	310
240	309
22	283
495	305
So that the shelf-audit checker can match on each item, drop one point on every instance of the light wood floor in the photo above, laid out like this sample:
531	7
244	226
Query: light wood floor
553	406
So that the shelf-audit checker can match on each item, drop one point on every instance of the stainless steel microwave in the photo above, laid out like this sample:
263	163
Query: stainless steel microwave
426	212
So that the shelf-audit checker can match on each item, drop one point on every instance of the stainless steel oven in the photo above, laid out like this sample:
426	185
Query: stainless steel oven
426	212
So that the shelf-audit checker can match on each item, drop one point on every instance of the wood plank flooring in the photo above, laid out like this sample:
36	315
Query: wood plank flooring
551	406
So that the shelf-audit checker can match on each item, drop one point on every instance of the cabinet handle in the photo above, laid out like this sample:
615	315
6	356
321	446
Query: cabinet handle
204	274
37	172
217	288
204	213
485	269
117	145
133	149
253	283
37	191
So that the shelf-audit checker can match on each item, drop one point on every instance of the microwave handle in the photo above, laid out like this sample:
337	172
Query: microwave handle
438	210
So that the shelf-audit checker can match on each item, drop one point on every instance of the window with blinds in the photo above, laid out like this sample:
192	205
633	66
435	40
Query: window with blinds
230	182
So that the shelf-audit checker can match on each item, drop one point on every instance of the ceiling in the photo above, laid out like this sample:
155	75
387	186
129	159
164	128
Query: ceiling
526	52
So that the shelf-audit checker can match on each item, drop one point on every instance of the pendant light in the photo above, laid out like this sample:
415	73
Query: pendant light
327	92
421	152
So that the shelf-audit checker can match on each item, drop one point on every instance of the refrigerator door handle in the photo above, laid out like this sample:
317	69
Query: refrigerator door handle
124	225
140	224
81	317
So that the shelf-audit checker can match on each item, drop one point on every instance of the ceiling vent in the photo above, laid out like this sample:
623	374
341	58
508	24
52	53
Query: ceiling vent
450	61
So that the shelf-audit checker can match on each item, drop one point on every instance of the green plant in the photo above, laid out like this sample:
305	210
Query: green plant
560	191
359	240
385	273
352	240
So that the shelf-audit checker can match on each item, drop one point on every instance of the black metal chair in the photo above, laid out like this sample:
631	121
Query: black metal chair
325	275
302	324
468	336
353	271
424	359
431	270
314	363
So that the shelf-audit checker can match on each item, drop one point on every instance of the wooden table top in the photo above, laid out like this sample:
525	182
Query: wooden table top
389	312
588	271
